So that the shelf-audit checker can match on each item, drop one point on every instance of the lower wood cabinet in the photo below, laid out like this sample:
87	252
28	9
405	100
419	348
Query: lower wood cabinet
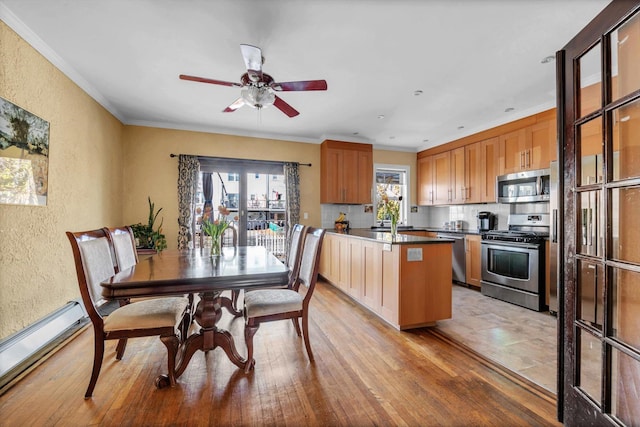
404	291
473	259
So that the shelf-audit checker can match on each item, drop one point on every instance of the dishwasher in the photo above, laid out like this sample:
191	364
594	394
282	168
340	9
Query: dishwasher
459	258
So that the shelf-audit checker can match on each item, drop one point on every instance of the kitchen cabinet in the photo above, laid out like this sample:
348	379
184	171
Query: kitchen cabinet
473	254
457	176
407	285
371	293
346	172
528	148
489	154
474	170
441	167
434	179
354	264
425	180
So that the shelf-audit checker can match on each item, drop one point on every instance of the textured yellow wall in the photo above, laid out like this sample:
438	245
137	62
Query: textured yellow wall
150	171
37	275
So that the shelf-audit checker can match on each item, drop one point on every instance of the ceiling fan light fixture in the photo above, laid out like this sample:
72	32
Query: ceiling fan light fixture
258	97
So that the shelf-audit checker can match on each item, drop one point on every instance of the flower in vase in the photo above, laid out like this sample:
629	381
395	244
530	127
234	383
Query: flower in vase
391	208
217	227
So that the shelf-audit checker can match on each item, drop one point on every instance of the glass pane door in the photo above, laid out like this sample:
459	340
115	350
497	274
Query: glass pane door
255	199
600	107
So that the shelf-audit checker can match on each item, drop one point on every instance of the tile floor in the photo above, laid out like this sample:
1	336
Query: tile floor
520	339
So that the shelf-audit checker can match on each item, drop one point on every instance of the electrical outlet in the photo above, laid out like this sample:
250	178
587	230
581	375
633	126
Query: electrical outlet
305	215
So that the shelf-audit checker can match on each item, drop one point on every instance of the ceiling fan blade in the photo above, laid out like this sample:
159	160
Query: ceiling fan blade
301	85
253	60
233	107
284	107
205	80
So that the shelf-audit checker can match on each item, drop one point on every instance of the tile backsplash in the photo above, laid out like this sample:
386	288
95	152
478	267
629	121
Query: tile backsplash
433	216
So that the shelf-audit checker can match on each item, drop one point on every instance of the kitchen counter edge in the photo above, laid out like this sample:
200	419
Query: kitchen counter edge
385	237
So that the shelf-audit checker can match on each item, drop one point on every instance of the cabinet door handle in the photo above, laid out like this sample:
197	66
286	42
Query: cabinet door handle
521	159
527	157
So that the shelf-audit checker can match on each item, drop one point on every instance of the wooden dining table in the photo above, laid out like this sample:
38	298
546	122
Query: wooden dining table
195	271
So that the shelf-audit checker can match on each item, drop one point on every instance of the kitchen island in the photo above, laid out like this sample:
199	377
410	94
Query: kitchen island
405	280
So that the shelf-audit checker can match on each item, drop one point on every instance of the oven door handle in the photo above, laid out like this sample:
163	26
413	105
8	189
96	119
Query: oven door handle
514	246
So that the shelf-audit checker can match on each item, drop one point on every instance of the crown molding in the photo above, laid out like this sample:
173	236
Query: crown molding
17	25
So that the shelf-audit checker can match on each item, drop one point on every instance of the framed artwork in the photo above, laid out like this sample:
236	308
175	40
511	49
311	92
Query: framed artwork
24	156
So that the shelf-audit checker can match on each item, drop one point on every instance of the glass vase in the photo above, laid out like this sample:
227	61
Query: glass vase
216	246
394	227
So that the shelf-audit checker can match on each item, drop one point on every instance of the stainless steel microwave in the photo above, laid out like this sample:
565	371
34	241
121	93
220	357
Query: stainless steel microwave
523	187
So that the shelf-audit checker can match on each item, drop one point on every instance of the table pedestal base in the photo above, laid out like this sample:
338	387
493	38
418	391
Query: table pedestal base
208	313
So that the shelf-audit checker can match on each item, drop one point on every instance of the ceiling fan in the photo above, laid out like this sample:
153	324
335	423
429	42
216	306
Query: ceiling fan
258	88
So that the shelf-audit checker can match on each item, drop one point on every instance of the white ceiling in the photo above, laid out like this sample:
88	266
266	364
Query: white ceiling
472	59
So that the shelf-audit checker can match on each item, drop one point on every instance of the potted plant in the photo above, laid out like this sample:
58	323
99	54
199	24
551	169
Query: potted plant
146	236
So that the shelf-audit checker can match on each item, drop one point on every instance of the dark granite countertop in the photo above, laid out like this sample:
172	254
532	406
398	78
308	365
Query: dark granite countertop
385	237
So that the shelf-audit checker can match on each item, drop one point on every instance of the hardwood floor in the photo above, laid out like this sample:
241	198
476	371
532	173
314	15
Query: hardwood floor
518	338
365	373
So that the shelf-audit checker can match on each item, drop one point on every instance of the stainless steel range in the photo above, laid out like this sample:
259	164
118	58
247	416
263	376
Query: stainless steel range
513	260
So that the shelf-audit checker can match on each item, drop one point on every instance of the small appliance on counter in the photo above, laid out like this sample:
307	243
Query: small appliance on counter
486	221
341	223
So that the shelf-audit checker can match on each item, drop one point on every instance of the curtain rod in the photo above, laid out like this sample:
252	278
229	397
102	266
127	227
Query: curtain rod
246	160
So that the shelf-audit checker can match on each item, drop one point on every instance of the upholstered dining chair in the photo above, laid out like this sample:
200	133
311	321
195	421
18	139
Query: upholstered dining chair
291	261
164	317
266	305
124	247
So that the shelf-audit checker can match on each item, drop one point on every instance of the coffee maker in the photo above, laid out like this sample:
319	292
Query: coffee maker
486	221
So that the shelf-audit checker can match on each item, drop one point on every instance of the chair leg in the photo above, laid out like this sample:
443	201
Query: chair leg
305	331
249	332
171	342
122	345
296	325
98	353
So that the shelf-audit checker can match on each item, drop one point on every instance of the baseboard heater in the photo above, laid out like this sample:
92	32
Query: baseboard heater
24	348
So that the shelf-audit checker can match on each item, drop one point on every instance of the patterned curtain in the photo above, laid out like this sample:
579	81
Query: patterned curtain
188	171
292	183
207	192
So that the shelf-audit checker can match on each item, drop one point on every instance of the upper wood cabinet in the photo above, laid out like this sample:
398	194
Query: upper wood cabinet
465	171
346	172
457	177
528	148
452	177
441	167
489	155
434	179
474	170
425	180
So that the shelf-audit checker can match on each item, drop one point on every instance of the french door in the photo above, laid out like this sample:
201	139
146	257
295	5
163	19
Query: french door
599	136
255	194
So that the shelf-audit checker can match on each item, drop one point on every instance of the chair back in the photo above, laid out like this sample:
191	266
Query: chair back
310	261
93	260
123	243
295	241
230	237
295	251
